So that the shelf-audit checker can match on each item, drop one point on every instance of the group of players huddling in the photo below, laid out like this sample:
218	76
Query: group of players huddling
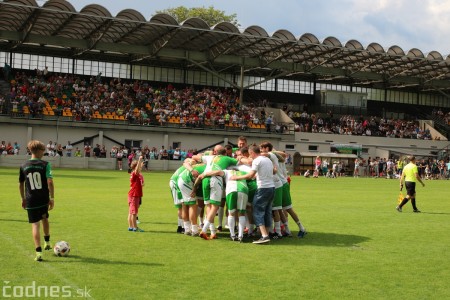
207	181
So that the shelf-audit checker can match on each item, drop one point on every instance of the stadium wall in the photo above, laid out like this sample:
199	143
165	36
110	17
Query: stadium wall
22	130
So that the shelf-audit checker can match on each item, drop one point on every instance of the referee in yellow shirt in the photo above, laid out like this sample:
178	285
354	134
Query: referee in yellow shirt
410	176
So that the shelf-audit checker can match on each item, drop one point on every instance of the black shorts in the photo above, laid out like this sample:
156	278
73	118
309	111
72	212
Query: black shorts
37	214
410	188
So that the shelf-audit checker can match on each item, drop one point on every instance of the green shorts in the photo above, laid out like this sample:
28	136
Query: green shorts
237	201
278	199
286	201
252	187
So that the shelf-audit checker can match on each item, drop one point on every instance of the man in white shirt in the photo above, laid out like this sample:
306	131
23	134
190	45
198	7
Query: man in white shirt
262	167
176	154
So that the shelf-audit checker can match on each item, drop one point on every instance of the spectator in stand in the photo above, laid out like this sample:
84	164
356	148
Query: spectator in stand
269	121
176	154
130	158
113	152
59	150
165	155
69	148
3	148
103	152
16	148
161	152
87	150
170	152
9	149
153	153
96	151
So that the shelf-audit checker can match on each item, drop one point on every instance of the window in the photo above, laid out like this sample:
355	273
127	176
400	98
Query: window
133	145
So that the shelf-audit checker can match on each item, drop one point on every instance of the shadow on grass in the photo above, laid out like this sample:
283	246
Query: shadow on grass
433	213
159	223
322	239
94	260
84	176
12	220
325	239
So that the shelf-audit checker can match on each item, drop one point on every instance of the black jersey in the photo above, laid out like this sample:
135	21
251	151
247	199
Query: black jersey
35	173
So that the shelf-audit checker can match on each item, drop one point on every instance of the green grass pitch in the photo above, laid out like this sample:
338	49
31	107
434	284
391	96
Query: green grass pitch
358	246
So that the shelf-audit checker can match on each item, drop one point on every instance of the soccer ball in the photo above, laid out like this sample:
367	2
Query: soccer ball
61	248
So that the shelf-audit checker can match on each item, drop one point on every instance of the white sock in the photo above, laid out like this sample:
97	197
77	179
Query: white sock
231	221
180	222
187	226
242	221
286	227
205	226
220	215
300	226
278	227
212	228
195	228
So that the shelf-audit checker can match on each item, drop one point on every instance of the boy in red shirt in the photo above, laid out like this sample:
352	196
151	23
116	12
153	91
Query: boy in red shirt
135	194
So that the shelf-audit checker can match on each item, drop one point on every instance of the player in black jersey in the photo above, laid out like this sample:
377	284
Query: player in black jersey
37	192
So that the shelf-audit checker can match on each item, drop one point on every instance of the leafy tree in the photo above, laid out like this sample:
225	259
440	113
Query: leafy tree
210	15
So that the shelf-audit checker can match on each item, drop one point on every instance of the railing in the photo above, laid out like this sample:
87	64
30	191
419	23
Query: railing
152	121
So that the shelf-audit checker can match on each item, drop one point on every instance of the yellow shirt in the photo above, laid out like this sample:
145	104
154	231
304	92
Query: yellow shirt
410	171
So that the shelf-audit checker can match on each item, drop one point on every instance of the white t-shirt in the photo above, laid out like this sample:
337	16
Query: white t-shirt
176	154
276	177
264	172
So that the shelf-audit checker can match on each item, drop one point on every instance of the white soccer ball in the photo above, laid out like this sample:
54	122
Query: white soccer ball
61	248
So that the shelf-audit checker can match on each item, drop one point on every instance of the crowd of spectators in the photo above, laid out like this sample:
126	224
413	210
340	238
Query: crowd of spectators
353	125
140	102
137	102
445	117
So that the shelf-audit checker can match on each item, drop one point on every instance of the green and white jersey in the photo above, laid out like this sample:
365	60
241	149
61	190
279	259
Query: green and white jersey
251	183
235	185
220	162
283	173
276	177
187	177
177	173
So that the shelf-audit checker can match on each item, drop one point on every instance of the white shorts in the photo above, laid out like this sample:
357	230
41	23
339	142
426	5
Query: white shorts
176	194
216	188
186	190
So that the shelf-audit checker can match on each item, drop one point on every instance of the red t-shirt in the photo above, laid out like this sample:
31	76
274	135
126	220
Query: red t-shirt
135	185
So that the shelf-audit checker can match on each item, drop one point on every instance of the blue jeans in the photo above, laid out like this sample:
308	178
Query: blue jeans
262	206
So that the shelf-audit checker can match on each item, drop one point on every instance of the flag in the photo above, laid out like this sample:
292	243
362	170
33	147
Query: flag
400	198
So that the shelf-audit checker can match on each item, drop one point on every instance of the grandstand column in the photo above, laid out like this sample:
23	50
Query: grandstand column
100	137
166	141
29	133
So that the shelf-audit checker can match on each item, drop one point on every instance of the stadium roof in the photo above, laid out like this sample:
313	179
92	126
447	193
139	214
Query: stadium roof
57	29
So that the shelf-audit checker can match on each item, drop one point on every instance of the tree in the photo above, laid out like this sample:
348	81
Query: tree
210	15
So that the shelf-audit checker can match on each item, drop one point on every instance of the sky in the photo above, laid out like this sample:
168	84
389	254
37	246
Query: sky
421	24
